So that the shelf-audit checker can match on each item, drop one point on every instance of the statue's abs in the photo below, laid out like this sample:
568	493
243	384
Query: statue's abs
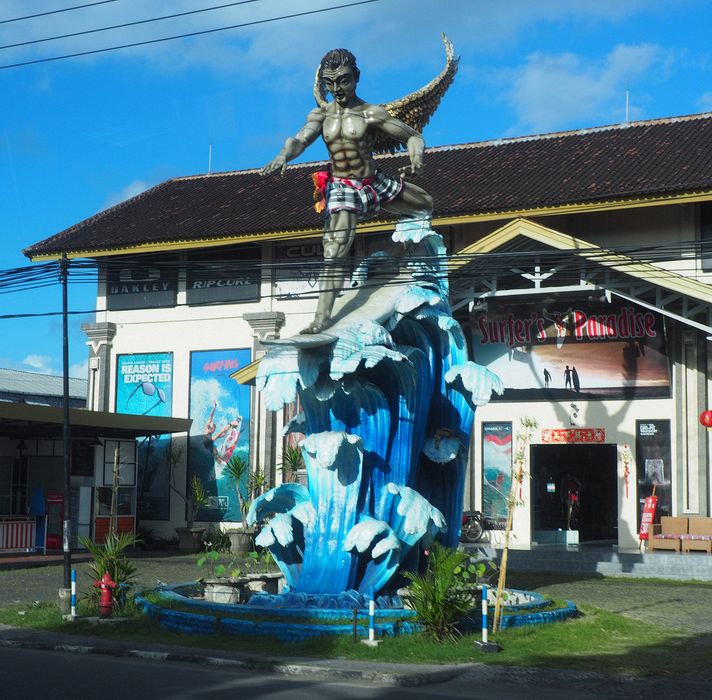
346	137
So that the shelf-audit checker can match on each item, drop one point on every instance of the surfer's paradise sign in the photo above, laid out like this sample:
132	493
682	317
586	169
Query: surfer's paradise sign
627	324
571	347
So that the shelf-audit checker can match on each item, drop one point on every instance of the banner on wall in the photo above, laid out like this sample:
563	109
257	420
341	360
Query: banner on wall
572	347
220	409
144	386
142	282
653	455
496	473
220	276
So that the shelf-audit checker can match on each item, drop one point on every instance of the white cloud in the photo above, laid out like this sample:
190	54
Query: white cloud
131	190
553	92
704	102
79	370
39	363
382	28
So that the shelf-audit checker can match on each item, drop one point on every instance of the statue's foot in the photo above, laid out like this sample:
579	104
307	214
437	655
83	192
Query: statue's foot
316	326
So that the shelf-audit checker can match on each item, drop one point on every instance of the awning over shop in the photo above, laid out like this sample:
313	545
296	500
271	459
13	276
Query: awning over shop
18	420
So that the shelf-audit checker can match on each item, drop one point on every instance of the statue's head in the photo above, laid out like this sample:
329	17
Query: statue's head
339	75
340	58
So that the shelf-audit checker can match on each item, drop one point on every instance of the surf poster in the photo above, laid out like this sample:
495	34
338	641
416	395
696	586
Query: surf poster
144	386
220	409
496	473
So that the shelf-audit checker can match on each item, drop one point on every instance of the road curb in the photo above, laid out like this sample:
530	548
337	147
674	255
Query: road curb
269	665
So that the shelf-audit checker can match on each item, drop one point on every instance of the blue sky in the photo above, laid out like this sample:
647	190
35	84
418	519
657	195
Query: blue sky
81	134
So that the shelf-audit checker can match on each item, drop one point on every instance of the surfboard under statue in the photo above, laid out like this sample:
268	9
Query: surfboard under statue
375	300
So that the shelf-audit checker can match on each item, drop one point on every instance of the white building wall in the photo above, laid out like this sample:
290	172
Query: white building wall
617	418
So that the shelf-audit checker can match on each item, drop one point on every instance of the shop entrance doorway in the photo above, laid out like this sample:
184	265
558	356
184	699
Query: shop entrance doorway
574	490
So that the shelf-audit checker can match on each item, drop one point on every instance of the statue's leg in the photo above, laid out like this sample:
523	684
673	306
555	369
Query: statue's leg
338	237
413	202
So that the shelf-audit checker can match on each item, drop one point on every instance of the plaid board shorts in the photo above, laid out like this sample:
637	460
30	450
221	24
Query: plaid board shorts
365	197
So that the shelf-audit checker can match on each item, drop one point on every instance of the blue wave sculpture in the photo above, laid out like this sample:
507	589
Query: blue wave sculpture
388	397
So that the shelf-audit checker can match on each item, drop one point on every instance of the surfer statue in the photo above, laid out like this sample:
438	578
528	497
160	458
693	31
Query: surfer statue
386	390
354	188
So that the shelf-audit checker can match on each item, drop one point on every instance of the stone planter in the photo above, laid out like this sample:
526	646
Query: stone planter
190	539
242	541
238	590
227	591
265	583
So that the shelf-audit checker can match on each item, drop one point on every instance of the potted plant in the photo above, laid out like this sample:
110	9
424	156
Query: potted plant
248	485
190	538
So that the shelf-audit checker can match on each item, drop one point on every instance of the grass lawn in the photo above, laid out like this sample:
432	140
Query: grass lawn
596	641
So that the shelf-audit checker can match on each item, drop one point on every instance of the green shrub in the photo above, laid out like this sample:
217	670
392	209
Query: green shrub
217	540
110	556
441	596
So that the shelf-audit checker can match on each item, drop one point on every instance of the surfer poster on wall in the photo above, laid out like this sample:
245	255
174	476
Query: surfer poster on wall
220	409
496	473
144	386
567	347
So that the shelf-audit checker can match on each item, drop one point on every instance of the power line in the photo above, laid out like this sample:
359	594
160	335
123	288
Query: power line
187	35
56	12
127	24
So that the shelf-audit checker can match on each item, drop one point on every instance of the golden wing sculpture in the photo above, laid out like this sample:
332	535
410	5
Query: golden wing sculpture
414	109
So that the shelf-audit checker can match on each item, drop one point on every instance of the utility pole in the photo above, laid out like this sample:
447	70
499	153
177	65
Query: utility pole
66	525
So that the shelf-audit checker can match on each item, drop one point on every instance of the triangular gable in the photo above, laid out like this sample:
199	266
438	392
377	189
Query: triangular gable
561	241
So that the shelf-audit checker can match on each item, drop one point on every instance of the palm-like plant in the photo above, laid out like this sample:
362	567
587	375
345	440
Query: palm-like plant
197	499
292	462
438	595
110	556
248	485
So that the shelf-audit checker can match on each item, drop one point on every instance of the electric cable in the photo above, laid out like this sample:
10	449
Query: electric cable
486	259
56	12
147	42
127	24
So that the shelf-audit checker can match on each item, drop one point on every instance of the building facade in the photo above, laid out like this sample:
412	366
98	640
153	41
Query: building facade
579	267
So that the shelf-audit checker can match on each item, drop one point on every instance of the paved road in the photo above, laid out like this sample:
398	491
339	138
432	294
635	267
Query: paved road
31	674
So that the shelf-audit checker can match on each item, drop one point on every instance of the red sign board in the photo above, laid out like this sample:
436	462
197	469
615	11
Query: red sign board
568	435
646	521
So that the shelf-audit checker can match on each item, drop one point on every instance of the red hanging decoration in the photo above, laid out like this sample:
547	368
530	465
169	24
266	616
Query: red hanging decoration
626	467
706	419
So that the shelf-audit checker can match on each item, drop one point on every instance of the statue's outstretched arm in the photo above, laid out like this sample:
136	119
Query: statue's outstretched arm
399	131
296	145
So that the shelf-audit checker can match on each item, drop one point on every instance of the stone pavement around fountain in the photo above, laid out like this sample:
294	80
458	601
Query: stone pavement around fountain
681	606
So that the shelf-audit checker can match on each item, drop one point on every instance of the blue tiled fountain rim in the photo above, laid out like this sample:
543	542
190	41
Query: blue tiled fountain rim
207	622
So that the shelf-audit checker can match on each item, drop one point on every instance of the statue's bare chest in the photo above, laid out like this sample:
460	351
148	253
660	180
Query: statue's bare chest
348	126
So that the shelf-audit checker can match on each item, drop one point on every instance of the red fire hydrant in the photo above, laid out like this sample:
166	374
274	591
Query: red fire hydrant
105	602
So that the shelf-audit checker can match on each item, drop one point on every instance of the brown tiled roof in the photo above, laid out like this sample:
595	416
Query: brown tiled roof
626	161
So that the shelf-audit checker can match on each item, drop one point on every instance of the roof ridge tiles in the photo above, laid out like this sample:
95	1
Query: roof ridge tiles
572	132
